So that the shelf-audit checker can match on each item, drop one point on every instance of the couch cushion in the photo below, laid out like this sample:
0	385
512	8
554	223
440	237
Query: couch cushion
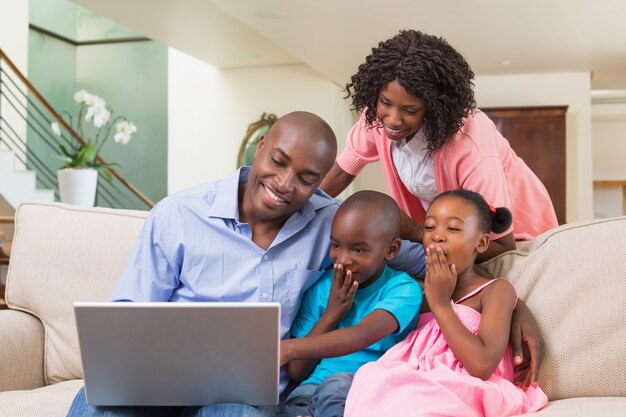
573	279
584	407
63	254
21	351
51	401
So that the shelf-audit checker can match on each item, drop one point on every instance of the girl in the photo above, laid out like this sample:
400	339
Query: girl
457	362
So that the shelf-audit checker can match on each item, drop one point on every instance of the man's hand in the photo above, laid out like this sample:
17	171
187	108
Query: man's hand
440	277
342	292
527	344
410	229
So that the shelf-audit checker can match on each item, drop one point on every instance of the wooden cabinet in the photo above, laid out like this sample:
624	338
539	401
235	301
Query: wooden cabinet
537	135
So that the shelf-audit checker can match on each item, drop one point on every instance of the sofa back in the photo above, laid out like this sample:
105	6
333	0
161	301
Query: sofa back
62	254
573	279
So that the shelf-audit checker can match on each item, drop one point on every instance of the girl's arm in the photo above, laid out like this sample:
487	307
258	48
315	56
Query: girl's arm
336	181
480	353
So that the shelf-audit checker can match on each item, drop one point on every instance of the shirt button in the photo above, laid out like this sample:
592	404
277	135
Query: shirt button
266	295
266	257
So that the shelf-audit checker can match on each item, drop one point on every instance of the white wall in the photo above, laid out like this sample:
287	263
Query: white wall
571	89
609	141
14	31
609	154
210	110
14	43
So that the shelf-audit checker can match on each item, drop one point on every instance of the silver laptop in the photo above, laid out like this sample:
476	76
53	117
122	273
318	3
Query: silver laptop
179	353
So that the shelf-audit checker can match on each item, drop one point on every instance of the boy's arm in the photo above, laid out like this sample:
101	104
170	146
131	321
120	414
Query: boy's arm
299	369
374	327
396	311
342	292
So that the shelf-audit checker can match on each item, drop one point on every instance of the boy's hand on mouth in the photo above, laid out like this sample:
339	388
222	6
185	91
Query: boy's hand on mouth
342	292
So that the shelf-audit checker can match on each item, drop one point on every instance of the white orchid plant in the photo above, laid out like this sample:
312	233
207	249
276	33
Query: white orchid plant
93	109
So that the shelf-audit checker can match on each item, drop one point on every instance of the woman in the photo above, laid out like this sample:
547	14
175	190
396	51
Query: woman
419	118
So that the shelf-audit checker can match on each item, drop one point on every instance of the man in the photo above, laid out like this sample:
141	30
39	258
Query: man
259	235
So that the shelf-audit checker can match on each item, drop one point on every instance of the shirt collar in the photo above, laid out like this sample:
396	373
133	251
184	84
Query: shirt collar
226	202
417	144
376	285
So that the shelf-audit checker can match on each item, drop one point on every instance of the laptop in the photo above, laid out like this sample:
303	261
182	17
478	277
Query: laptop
179	354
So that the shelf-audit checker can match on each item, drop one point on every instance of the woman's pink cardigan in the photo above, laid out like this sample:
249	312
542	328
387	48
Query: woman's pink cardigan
476	158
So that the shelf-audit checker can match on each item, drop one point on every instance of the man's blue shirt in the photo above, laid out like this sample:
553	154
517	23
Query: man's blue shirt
192	247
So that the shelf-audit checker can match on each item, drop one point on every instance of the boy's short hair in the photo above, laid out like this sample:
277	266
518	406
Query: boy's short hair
382	209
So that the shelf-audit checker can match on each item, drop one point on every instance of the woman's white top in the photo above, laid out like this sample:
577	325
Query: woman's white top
415	167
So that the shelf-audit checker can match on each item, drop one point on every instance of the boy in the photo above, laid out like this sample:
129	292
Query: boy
370	308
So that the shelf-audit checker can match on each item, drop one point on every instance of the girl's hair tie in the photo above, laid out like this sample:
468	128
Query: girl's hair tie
492	208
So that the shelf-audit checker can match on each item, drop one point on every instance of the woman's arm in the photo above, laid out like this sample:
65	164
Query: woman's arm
479	353
496	247
336	181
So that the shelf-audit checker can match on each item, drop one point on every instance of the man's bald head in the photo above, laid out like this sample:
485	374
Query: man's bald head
312	130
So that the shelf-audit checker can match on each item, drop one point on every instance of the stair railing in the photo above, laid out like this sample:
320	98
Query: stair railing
38	115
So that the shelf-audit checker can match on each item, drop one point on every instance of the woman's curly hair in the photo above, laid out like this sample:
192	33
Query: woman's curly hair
428	68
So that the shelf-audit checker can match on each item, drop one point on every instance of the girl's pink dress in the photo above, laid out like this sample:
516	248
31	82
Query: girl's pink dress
420	376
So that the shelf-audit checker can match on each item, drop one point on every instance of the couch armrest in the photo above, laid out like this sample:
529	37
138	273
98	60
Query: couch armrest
21	351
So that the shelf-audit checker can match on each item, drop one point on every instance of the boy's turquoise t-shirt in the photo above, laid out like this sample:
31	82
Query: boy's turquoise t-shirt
395	292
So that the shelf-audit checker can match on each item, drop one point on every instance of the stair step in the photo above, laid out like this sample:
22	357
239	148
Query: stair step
18	185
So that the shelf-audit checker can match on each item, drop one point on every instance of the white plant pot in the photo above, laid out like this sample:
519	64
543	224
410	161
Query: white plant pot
78	186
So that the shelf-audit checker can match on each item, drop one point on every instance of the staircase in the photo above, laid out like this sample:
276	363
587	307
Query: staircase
22	103
16	185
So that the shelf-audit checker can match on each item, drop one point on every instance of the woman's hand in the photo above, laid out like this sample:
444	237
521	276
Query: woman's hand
440	278
342	292
527	344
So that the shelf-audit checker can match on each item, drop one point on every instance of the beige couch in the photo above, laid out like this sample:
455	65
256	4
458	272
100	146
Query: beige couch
573	279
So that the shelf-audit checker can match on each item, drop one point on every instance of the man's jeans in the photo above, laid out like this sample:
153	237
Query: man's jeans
80	408
325	400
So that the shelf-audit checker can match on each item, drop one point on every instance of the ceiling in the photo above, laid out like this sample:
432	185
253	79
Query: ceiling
334	36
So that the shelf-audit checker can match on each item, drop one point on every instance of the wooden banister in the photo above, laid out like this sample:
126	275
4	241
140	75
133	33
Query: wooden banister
58	118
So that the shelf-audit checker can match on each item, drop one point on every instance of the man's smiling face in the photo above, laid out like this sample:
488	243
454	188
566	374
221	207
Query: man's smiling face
290	162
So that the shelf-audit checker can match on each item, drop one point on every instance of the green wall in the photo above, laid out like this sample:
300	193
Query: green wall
58	16
131	77
52	71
